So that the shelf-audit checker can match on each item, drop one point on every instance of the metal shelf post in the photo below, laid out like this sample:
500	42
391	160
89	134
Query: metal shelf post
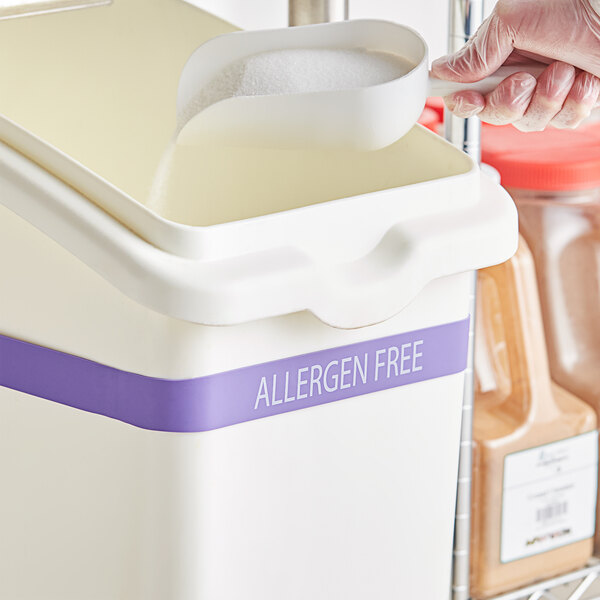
465	17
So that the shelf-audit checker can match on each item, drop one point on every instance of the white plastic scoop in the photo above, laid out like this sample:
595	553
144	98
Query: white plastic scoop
361	118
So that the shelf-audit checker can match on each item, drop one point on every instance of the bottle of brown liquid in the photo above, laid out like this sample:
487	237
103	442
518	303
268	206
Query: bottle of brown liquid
535	444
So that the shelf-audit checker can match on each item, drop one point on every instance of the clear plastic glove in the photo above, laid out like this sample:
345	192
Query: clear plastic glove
565	34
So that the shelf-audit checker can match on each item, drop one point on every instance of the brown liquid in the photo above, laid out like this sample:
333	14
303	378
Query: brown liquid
517	407
564	237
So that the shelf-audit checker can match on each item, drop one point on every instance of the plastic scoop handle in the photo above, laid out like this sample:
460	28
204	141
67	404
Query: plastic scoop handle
440	87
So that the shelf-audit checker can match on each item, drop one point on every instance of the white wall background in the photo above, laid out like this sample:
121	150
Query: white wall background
428	17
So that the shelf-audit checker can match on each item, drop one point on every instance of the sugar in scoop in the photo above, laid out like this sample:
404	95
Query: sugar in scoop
357	85
277	73
297	70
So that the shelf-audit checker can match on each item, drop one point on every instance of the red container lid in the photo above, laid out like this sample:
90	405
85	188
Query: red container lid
554	159
429	118
436	103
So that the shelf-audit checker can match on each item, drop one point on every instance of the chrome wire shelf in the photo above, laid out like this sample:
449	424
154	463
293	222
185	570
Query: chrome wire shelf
577	585
584	584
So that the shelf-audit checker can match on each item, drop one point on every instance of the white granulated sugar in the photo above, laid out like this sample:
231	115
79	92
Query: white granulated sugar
294	71
281	72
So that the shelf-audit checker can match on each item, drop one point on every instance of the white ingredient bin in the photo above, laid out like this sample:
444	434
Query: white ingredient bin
256	393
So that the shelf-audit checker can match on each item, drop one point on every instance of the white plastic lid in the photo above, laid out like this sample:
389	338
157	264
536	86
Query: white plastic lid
370	255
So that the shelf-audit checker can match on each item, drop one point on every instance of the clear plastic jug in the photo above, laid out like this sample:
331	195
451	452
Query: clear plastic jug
535	444
555	180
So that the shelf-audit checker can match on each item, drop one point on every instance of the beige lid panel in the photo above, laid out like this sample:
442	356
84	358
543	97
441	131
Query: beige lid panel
72	79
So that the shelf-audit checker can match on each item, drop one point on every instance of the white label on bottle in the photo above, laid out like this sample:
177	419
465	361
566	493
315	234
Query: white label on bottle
549	496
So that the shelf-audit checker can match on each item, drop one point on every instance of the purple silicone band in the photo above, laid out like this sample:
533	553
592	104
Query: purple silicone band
231	397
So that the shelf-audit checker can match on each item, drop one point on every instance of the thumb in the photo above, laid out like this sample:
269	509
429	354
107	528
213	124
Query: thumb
483	54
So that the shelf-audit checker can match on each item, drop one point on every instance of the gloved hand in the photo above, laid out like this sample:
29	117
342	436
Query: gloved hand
565	34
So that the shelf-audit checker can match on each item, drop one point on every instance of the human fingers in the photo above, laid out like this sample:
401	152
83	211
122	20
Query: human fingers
509	101
483	54
582	99
465	104
553	87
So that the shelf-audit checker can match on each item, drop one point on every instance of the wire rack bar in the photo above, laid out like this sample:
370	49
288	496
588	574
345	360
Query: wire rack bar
551	589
